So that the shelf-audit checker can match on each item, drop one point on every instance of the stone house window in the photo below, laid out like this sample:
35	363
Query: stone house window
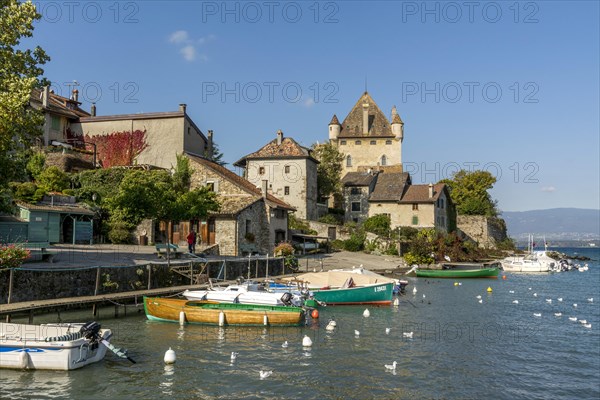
356	206
383	160
373	142
415	220
286	169
349	161
355	191
415	206
248	227
357	142
442	206
279	236
343	143
210	186
286	190
261	170
388	142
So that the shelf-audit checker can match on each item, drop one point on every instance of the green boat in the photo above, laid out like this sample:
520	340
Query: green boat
458	273
379	294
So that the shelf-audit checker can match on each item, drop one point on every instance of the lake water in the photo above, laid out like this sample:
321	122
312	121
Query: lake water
459	349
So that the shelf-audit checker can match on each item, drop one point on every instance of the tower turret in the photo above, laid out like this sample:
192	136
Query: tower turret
334	128
397	125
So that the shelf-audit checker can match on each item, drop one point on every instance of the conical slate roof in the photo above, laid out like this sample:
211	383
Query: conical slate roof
379	126
334	120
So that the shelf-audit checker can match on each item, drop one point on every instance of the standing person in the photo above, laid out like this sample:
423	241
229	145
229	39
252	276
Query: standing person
191	239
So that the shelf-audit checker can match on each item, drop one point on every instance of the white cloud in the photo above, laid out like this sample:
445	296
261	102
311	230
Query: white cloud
188	47
189	52
548	189
309	102
178	37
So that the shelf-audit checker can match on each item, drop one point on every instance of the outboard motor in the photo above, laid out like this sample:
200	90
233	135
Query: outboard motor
287	298
91	331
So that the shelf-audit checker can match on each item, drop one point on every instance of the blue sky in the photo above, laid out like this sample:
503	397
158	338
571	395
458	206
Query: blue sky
510	87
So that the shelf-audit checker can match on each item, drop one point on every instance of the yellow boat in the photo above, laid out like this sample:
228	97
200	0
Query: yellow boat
213	313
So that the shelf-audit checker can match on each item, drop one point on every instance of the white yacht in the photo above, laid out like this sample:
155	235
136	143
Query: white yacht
248	293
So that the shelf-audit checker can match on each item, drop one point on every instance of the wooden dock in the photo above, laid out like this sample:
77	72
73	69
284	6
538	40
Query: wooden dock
29	307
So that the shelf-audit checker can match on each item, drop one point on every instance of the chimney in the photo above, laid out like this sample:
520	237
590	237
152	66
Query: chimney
209	145
45	96
279	137
182	107
365	118
75	95
265	188
431	190
93	110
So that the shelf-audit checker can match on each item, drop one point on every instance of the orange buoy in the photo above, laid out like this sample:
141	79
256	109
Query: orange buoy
504	277
315	314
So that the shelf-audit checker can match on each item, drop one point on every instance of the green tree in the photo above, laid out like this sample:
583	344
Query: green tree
19	73
378	224
469	192
52	179
329	170
182	174
217	155
36	164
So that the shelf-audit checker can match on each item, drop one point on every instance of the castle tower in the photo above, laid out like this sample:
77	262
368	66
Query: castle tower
334	128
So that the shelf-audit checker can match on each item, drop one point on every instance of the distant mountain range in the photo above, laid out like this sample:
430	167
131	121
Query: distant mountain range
554	224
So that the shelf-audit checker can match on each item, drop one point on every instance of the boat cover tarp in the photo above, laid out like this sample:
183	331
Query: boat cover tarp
338	278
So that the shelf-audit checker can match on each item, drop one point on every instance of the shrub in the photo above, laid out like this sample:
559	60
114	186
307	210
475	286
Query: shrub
296	224
52	179
356	241
411	259
12	256
284	249
26	191
378	224
119	231
331	219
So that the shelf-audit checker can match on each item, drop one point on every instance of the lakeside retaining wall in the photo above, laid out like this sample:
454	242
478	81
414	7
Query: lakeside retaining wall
43	284
486	231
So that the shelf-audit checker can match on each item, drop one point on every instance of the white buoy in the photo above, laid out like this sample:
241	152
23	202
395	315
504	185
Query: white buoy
24	359
366	313
306	342
221	318
415	290
356	333
396	302
387	331
170	356
181	318
265	320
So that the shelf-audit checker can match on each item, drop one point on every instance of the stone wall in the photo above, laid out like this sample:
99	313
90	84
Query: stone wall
29	285
366	154
145	228
486	231
323	230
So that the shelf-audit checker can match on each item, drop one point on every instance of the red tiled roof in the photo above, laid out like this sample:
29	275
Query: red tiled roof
420	193
390	186
288	148
59	105
240	182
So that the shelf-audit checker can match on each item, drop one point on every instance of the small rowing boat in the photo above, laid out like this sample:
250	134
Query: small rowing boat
213	313
458	273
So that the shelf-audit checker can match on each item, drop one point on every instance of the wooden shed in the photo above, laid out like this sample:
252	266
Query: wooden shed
58	222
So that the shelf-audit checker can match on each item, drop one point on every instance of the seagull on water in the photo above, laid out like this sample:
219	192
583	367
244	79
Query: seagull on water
478	296
515	301
356	333
559	299
549	300
234	355
480	301
587	325
557	314
285	344
591	299
535	295
330	327
415	290
575	305
537	314
387	331
423	295
407	334
392	367
583	321
511	291
265	374
574	319
528	288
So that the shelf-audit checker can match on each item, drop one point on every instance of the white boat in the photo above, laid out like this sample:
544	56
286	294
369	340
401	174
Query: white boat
52	346
250	293
536	262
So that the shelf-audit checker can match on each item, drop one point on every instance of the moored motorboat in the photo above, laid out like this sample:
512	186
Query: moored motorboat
52	346
213	313
458	273
248	293
535	262
377	293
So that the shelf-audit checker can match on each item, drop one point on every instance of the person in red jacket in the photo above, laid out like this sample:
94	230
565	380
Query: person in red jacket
191	239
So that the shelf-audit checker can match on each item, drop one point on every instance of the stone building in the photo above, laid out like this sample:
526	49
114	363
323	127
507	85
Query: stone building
369	193
367	138
251	220
289	169
167	133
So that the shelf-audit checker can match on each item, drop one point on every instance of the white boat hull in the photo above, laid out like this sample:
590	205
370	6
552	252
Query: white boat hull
539	262
225	296
32	347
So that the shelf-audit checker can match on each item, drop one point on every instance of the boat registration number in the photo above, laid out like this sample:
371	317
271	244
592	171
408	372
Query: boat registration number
380	288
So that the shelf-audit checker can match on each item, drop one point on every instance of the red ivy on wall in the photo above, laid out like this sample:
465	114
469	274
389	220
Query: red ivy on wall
119	148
